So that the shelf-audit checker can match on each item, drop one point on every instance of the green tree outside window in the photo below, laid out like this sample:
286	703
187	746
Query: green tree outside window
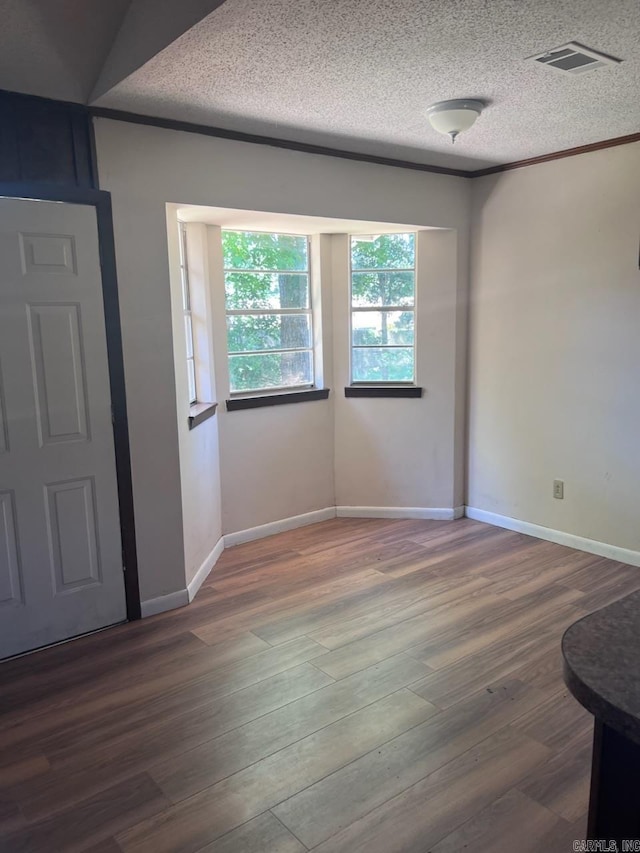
382	308
269	321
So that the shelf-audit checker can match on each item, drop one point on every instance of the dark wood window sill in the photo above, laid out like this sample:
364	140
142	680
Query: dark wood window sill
200	412
236	404
383	391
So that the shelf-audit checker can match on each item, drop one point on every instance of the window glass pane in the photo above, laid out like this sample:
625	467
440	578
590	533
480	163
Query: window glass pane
264	332
387	251
247	250
382	327
267	273
188	333
191	373
184	272
246	290
382	288
271	370
186	306
380	364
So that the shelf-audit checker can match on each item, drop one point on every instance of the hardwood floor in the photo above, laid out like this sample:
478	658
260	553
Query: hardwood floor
356	685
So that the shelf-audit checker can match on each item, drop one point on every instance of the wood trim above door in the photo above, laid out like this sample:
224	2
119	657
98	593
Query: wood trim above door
101	200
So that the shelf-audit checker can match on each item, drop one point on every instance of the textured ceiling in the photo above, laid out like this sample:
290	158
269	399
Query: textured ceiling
68	49
56	48
358	75
148	27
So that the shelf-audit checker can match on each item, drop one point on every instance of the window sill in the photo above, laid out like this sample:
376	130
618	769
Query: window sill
200	412
383	391
239	403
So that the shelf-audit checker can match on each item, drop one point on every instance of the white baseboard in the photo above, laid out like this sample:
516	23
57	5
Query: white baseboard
205	569
183	596
432	513
164	602
591	546
290	523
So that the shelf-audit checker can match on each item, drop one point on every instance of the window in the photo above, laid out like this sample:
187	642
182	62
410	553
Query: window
383	273
268	307
188	320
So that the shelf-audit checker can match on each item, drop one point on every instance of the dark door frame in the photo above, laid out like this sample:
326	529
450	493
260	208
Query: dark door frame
101	200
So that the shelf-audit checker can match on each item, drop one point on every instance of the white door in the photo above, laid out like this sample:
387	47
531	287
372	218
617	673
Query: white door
61	571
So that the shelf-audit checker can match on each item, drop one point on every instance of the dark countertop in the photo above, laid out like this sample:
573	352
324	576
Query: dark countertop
602	664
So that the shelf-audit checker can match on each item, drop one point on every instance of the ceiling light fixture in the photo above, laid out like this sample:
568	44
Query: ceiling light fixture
454	117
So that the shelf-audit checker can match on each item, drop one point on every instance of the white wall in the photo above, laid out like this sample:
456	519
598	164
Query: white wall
145	313
403	452
555	345
199	448
277	461
554	348
144	168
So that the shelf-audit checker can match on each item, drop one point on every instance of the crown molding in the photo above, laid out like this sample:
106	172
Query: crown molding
308	148
256	139
556	155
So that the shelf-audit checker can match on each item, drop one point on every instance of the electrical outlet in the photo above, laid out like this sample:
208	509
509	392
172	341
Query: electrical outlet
558	489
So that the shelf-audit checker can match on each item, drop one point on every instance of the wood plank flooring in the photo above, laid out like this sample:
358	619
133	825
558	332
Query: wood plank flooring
357	685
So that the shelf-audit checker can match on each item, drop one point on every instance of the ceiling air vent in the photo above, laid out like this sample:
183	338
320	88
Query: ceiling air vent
573	58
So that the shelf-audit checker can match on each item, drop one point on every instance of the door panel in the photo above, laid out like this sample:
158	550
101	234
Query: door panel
10	580
48	253
58	372
61	571
73	546
4	439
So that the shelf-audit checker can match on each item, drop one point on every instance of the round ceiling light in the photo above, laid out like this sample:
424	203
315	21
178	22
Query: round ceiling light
454	117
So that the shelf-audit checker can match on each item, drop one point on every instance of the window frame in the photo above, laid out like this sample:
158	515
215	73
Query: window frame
240	312
190	349
401	383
